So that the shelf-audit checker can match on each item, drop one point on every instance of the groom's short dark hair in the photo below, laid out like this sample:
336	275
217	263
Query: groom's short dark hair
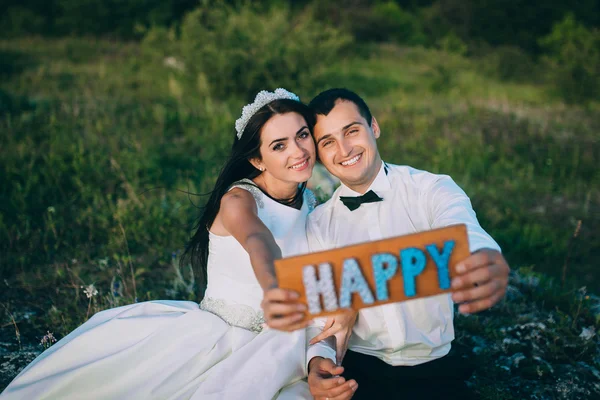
324	102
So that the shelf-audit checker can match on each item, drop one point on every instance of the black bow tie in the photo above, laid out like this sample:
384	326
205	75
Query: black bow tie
354	202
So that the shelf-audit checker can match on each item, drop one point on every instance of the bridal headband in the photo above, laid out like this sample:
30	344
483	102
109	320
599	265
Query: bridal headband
262	99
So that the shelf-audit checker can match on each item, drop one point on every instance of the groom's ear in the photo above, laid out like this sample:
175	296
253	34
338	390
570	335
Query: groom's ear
375	128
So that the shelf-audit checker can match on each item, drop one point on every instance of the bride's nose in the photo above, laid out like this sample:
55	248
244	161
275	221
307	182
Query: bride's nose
298	151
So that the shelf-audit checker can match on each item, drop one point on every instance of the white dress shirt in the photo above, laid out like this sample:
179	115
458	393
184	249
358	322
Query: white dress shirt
414	331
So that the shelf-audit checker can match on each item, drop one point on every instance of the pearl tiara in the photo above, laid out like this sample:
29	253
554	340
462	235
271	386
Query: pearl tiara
262	99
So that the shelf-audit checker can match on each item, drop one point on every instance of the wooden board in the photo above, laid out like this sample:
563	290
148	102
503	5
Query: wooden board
410	252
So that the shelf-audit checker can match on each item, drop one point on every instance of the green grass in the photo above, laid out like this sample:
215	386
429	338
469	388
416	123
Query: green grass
100	142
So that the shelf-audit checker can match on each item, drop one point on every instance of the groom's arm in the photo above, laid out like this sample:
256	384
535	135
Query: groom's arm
483	276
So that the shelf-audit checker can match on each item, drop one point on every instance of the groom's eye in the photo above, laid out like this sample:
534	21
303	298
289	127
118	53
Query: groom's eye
327	143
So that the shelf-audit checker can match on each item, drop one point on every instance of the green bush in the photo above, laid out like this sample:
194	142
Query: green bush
388	22
120	18
509	64
225	51
573	54
451	43
17	20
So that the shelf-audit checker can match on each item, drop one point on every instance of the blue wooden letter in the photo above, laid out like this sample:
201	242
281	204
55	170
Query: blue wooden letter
413	263
353	281
383	274
441	261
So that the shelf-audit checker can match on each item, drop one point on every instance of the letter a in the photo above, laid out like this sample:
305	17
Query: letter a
353	281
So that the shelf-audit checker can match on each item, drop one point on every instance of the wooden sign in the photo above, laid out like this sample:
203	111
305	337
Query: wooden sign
375	273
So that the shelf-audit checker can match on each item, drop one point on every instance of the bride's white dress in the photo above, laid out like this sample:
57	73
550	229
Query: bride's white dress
182	350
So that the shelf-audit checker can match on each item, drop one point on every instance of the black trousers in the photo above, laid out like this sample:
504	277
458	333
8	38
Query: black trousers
443	378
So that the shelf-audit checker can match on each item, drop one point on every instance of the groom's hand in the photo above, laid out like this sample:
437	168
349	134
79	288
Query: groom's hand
482	281
283	311
325	383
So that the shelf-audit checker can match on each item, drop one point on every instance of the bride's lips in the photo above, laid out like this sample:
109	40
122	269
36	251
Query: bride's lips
301	166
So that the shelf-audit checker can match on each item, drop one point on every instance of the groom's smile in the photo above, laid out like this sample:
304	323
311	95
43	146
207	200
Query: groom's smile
353	161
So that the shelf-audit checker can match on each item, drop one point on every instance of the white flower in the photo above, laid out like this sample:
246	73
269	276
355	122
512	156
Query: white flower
588	333
174	63
90	291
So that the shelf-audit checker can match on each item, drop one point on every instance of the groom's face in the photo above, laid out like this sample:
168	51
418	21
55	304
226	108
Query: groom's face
347	146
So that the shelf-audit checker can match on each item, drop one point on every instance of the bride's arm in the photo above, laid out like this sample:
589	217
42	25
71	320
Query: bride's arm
239	216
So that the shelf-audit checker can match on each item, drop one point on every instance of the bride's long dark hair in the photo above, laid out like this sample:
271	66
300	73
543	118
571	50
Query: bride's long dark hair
238	167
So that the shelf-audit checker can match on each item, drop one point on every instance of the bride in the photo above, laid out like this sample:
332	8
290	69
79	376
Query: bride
221	348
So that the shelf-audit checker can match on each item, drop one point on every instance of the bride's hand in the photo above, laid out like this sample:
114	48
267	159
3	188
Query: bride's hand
283	311
340	326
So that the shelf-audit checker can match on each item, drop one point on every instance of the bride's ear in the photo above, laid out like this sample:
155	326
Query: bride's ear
256	163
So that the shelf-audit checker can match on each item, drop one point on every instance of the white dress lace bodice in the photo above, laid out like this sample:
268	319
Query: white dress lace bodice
233	292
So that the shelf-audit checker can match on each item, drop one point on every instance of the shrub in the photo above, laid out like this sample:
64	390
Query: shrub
451	43
573	54
17	20
509	63
388	22
228	51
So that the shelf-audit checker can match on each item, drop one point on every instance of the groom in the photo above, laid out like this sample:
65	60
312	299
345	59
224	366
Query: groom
397	350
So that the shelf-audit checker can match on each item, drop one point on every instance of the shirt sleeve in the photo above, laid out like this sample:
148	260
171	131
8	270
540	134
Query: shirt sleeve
448	205
324	348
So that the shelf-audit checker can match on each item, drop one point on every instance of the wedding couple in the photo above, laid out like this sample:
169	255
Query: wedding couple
259	211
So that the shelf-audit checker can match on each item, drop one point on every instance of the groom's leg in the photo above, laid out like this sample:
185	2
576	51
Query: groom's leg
368	371
441	378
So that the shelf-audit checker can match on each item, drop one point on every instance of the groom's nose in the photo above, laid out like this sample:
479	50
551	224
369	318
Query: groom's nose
345	148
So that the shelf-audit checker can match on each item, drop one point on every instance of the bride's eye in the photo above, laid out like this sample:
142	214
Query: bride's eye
278	147
303	135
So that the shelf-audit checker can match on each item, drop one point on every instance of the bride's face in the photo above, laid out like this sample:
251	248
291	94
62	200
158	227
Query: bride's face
287	148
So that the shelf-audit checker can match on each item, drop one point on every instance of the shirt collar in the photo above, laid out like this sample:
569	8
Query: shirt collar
379	185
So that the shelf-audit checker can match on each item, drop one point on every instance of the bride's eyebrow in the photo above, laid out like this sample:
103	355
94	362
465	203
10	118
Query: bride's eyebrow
284	139
278	140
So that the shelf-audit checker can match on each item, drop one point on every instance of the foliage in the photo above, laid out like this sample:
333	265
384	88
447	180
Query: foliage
574	55
228	51
510	64
517	23
88	17
386	21
451	43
